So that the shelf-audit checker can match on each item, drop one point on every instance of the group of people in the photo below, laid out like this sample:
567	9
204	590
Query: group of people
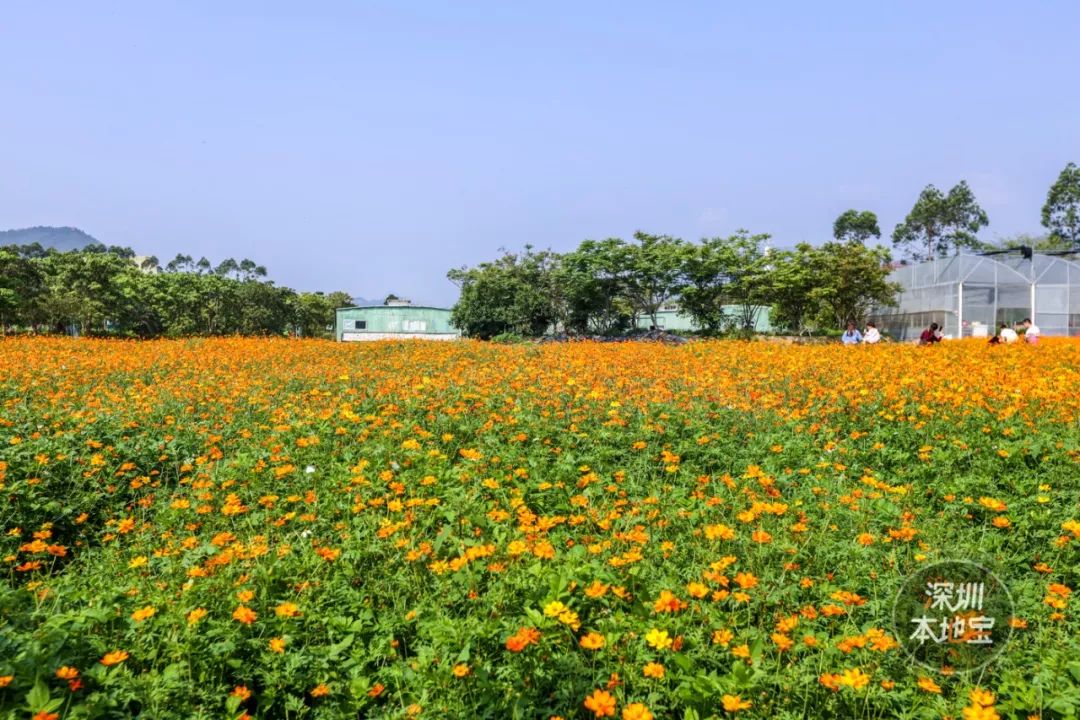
852	336
1006	335
933	334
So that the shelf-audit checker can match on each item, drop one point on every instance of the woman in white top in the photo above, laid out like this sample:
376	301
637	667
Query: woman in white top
871	336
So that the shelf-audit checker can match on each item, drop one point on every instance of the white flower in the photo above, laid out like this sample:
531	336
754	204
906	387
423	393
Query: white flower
309	469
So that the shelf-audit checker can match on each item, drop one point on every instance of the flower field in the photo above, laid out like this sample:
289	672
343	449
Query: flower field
303	529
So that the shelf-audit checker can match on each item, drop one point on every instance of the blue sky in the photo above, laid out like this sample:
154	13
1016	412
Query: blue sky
372	146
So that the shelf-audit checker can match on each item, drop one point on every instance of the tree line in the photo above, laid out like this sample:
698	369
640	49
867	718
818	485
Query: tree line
101	290
605	286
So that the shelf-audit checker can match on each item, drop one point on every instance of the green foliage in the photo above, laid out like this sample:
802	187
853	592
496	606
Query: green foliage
513	294
1061	213
103	291
857	227
734	270
939	223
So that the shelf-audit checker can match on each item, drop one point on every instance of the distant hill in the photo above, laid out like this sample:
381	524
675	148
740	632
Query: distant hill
59	238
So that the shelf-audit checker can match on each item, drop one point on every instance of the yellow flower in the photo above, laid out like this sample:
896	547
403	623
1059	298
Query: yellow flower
195	616
461	670
854	678
555	609
658	639
277	644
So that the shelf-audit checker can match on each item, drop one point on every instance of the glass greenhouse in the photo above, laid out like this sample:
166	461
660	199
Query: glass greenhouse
970	295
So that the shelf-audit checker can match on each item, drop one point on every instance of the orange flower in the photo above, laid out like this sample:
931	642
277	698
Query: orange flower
376	690
592	641
277	644
5	680
196	615
67	673
241	691
320	690
668	602
734	703
653	670
928	685
461	670
143	613
522	639
114	658
601	702
244	614
636	711
287	610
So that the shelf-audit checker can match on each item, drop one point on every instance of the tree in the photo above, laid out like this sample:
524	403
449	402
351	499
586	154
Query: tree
723	270
850	280
653	273
856	227
940	222
21	288
1061	213
795	274
593	278
513	294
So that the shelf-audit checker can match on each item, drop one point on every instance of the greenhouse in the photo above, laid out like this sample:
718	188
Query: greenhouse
971	295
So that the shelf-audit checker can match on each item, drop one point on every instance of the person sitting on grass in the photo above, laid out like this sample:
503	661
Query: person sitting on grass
851	336
872	336
1031	330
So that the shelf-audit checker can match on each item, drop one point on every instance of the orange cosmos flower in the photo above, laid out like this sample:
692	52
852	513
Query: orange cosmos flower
592	641
67	673
143	613
320	690
928	685
114	658
241	691
245	615
277	644
734	703
636	711
287	610
601	702
653	670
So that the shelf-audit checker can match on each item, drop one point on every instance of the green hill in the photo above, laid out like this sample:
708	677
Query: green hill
58	238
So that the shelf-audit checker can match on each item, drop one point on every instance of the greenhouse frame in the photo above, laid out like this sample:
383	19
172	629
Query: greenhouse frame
971	295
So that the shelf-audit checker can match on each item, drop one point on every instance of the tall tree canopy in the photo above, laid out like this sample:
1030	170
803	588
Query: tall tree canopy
940	223
1061	213
855	226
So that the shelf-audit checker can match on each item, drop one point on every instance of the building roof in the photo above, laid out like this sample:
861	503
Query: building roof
393	307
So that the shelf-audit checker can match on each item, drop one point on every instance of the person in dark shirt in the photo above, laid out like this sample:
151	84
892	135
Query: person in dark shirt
930	335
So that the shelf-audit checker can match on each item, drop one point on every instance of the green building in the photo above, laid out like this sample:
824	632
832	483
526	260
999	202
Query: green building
395	321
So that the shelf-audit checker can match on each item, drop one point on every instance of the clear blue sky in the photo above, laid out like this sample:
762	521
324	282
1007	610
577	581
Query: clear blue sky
371	146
